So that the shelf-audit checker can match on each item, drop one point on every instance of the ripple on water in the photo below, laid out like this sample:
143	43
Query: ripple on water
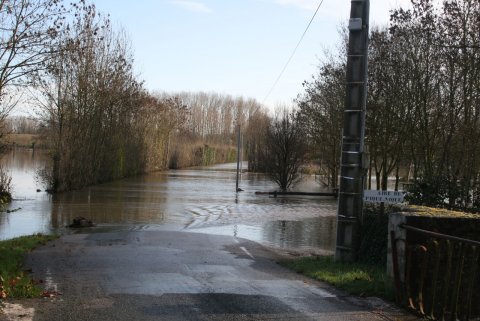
195	200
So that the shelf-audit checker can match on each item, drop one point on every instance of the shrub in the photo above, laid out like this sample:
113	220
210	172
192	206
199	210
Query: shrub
5	186
374	236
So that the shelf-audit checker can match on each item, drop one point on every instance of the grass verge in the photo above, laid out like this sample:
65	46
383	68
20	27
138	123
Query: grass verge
354	278
14	281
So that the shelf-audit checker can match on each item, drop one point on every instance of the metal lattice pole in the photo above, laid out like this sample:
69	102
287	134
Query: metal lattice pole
350	201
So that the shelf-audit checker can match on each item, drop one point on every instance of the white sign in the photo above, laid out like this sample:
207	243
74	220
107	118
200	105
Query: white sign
375	196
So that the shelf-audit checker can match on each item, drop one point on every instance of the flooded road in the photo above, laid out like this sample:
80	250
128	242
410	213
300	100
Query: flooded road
196	200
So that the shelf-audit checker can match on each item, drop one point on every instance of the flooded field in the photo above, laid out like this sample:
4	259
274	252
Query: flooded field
197	200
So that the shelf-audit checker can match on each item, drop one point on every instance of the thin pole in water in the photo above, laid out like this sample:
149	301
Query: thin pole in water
238	157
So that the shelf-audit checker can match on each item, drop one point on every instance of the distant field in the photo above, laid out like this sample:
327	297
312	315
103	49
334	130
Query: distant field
24	140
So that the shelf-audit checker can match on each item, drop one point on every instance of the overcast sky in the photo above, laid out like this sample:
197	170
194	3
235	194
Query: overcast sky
235	47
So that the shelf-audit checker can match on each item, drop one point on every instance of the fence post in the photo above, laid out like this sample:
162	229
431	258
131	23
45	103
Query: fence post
395	221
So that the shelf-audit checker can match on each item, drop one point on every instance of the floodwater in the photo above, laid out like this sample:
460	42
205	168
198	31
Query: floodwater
196	200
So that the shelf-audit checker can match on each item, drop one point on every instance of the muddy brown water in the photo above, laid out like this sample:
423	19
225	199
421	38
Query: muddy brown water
195	199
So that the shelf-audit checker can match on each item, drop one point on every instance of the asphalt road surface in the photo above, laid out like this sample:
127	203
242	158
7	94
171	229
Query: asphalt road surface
158	275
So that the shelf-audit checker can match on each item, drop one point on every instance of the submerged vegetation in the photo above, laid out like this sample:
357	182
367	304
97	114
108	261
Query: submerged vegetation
14	281
5	187
285	149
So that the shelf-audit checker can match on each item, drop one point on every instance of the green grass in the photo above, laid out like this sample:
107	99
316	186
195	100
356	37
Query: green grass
14	282
354	278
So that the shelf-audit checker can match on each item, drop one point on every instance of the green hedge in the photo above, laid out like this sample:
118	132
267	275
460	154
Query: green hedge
374	236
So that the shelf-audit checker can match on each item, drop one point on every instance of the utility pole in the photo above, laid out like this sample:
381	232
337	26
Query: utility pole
352	174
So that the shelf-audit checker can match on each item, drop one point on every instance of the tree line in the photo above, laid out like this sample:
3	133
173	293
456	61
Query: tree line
209	132
96	115
102	124
423	109
23	125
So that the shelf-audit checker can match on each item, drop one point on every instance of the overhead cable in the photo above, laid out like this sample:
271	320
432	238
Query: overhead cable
293	53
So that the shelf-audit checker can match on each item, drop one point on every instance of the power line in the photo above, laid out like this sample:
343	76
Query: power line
293	53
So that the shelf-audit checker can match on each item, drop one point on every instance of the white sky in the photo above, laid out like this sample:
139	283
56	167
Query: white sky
235	47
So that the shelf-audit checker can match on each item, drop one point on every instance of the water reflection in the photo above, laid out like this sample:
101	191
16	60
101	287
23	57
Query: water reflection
308	232
197	200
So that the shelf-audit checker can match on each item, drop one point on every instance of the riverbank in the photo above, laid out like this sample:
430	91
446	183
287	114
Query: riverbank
25	140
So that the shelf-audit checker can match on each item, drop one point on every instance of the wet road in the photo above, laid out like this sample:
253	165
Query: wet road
167	275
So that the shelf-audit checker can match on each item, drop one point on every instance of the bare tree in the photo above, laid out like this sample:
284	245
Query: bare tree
285	149
321	114
27	27
387	112
23	125
423	116
441	52
92	104
255	134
